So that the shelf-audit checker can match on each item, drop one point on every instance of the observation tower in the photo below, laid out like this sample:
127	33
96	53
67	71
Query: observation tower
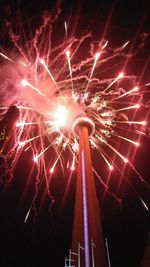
88	249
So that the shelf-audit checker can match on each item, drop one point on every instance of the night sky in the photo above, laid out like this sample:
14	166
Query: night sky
44	240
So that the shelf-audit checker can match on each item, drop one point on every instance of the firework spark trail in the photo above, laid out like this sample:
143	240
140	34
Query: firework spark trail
97	55
59	52
107	102
26	83
4	56
41	153
37	186
129	183
48	71
14	39
119	200
27	215
126	139
92	71
127	93
70	69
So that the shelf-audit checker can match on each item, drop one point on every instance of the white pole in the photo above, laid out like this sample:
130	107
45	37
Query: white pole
79	255
69	257
107	250
92	247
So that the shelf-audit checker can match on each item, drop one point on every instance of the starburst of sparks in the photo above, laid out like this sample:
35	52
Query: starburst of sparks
56	86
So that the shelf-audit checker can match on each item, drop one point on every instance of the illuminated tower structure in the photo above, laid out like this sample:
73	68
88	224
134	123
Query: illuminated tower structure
6	126
88	249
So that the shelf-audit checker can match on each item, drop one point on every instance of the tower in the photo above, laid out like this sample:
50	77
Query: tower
88	248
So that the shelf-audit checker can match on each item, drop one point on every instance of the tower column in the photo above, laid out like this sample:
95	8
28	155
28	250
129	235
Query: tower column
87	229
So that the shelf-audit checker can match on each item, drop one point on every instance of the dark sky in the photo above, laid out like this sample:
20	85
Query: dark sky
44	240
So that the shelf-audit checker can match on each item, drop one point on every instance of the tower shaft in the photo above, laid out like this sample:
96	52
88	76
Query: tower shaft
87	229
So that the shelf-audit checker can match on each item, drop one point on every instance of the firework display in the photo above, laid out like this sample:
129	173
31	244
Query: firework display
74	133
55	85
